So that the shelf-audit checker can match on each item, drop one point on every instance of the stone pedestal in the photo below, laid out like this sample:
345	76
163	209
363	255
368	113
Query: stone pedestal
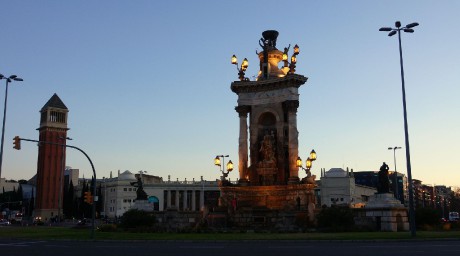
143	205
387	212
279	197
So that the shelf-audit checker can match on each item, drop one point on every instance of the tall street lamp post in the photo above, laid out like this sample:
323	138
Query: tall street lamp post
218	163
396	173
393	31
8	80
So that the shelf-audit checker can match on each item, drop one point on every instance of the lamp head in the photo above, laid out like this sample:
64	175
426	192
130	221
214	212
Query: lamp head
296	49
245	64
408	30
285	57
229	166
298	162
398	24
234	60
392	33
313	155
413	24
385	29
217	161
308	163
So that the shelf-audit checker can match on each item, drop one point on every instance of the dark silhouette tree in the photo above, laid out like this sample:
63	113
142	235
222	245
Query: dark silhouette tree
68	203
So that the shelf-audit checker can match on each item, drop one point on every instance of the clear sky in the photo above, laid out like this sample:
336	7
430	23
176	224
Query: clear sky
147	83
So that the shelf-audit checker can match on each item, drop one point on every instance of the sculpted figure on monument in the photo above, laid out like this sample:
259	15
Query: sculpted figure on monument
384	182
267	150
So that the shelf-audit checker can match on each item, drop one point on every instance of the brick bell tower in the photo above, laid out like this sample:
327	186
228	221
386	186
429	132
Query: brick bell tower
51	158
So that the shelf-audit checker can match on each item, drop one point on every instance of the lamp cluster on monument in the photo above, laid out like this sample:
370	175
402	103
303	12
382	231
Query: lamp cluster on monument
308	162
269	59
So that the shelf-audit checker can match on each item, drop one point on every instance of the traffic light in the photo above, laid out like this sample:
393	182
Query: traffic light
17	142
88	197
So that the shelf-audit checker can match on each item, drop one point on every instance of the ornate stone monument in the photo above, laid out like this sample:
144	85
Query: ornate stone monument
267	109
387	212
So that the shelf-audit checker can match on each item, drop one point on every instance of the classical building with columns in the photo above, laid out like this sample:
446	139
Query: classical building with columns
119	193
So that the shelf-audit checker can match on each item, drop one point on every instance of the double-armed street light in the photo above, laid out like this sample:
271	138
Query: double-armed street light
408	29
396	173
242	69
8	80
308	162
217	162
291	65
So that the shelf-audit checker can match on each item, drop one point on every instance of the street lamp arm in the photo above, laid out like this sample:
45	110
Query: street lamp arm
94	174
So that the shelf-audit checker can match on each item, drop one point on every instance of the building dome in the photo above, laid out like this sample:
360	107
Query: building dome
126	175
336	172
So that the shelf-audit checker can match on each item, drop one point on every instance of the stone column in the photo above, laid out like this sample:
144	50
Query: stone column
201	199
168	200
290	106
243	142
185	199
193	200
177	199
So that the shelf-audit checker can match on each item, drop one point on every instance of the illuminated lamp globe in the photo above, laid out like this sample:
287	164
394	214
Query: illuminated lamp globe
298	162
308	163
217	161
234	59
313	155
229	166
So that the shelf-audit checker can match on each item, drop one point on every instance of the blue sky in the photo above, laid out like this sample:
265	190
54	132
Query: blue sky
147	83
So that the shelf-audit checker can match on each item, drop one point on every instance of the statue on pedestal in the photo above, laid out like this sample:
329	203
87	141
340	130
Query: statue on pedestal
141	195
384	181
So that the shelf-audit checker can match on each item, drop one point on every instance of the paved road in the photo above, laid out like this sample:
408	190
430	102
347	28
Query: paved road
232	248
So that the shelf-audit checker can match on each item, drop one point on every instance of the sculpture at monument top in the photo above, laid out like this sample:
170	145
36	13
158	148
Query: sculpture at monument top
384	182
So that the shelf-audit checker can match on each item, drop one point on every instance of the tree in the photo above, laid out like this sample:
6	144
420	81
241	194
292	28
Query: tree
336	218
31	205
426	216
99	203
137	219
68	202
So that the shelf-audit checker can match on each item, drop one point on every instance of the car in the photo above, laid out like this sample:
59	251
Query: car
4	222
82	222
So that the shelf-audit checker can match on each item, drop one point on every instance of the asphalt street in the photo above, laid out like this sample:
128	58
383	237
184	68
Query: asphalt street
233	248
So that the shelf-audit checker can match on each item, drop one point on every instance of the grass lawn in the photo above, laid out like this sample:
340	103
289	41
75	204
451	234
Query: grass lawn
53	233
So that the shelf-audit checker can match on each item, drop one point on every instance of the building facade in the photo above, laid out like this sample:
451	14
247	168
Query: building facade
338	187
118	194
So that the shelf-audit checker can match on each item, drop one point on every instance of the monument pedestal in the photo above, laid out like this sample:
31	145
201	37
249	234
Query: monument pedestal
143	205
276	197
387	212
